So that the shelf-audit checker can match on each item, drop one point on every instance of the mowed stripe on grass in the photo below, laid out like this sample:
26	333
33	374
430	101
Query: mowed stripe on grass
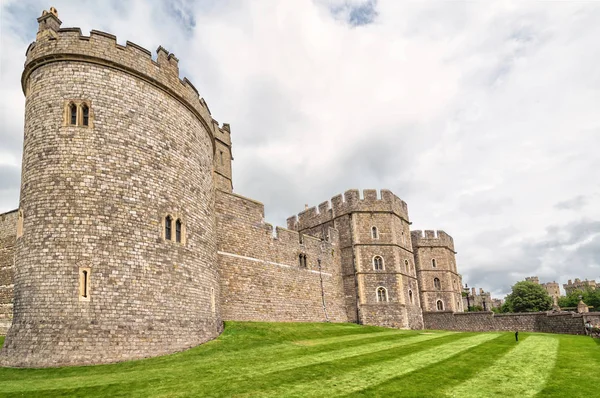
317	360
363	377
254	363
522	372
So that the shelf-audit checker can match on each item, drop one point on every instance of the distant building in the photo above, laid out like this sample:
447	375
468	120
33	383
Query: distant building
553	288
570	287
483	299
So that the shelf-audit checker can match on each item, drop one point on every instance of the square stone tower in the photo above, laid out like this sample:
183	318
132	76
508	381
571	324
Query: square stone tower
439	281
380	279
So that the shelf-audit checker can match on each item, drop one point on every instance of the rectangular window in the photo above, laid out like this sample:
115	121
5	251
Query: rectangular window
84	284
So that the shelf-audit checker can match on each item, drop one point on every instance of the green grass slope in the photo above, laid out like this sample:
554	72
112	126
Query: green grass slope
327	360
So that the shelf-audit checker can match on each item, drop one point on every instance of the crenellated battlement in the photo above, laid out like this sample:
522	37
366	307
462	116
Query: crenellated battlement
349	202
431	238
55	44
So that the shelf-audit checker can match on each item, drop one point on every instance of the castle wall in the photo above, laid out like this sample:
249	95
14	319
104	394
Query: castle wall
94	198
8	233
564	323
261	277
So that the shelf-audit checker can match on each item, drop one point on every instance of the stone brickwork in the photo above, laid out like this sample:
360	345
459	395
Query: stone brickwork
439	281
564	323
94	196
371	228
8	233
262	278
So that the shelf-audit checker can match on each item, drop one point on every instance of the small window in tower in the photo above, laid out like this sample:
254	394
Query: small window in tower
374	233
84	284
382	295
440	305
437	284
168	222
407	266
433	264
85	112
221	154
178	231
213	306
73	114
410	297
378	263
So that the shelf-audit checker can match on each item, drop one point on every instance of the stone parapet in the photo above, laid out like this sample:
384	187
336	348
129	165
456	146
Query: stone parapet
431	238
347	203
68	44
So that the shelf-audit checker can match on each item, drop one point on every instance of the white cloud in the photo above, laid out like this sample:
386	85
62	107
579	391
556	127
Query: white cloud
481	115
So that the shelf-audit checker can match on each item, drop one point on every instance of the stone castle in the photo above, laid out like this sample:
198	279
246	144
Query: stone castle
129	241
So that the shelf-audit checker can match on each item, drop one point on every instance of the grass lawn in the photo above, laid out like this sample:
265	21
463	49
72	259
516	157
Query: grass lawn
326	360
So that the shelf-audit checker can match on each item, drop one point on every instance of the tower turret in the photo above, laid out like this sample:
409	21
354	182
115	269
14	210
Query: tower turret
439	281
116	256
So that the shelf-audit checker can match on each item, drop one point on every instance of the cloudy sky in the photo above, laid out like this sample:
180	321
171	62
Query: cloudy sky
483	116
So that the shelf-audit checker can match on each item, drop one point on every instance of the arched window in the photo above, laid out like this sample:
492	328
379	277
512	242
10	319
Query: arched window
410	297
377	263
437	284
382	295
433	264
407	266
73	114
168	221
374	233
178	231
302	260
440	305
85	112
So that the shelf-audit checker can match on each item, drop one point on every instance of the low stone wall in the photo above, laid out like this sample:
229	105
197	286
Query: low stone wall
565	323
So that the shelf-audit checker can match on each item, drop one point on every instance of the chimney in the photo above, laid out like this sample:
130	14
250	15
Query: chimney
48	22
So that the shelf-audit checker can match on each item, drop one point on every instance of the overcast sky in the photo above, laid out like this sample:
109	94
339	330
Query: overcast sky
483	116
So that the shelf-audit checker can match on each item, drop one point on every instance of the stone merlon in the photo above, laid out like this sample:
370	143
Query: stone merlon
347	203
431	238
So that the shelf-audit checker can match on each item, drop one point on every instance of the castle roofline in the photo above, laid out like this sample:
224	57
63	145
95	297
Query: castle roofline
431	238
350	202
55	44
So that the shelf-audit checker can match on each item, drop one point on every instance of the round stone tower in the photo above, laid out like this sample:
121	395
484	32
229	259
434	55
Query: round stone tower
115	256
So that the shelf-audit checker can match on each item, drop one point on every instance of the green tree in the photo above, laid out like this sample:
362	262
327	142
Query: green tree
589	296
527	297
